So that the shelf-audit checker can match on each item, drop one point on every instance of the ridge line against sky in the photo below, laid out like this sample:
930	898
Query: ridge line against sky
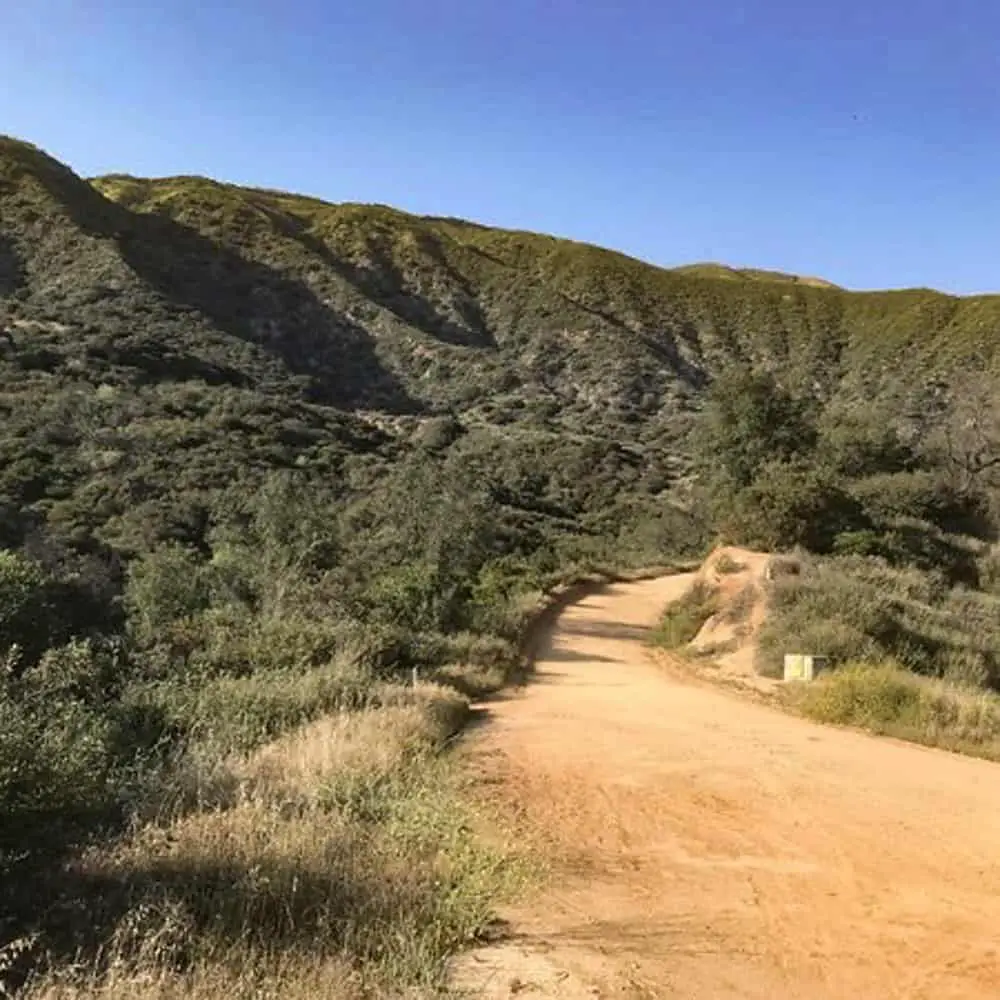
858	144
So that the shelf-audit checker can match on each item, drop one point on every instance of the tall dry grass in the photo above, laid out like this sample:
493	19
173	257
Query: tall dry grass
337	861
885	698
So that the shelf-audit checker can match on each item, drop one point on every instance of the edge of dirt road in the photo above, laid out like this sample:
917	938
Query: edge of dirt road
554	601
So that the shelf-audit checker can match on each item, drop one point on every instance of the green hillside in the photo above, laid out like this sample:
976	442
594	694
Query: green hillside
263	456
133	291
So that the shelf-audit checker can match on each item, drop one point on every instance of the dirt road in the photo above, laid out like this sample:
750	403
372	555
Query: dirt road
708	847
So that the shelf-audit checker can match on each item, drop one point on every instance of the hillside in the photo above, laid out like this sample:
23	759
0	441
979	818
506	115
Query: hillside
263	457
177	314
710	269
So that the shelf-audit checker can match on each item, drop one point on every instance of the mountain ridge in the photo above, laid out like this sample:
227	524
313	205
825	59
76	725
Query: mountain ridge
706	269
106	184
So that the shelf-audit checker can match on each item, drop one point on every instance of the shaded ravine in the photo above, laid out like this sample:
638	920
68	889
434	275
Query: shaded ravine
705	846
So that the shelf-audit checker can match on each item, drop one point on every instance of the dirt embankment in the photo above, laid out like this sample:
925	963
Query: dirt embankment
739	578
704	846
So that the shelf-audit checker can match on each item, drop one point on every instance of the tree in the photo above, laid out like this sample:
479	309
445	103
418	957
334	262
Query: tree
164	587
857	443
967	442
25	607
271	541
792	503
748	421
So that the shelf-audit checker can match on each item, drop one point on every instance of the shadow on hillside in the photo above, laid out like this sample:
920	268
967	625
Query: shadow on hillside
11	270
39	891
157	362
662	344
384	284
249	300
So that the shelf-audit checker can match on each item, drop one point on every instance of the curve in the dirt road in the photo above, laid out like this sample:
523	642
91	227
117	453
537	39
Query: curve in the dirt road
708	847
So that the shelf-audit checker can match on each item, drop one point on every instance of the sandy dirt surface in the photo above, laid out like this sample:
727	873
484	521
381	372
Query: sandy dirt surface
707	846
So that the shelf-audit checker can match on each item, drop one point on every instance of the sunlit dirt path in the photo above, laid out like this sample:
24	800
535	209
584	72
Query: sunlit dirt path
706	846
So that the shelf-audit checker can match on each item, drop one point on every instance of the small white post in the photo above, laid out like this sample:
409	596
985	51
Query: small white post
803	666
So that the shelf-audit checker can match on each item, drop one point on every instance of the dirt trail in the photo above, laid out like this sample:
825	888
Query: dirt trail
706	846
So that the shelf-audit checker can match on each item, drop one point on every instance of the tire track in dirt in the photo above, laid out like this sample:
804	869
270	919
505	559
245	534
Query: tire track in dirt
705	846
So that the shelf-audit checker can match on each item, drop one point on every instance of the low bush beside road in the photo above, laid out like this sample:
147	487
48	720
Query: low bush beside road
885	698
682	620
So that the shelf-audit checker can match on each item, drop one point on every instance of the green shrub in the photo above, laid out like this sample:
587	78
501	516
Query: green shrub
419	596
851	608
57	760
790	504
241	713
239	644
165	586
822	612
726	565
84	670
25	607
683	619
866	542
750	420
886	698
857	445
970	668
888	496
918	544
496	593
922	495
862	694
836	638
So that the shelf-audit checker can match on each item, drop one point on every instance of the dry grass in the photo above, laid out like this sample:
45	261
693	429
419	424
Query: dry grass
472	680
740	606
367	743
337	861
785	565
856	609
886	698
236	976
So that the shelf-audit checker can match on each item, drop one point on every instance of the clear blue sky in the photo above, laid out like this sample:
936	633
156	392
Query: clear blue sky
857	140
